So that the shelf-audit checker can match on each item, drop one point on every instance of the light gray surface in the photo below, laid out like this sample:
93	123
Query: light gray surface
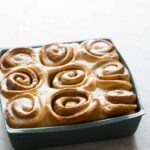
29	22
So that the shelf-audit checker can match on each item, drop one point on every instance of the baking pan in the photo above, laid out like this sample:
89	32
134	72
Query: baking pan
30	138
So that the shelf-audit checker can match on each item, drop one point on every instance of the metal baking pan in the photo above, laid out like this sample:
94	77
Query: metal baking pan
30	138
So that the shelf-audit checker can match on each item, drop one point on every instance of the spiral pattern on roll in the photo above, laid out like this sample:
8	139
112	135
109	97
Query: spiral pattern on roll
16	57
98	49
56	54
22	80
111	75
119	102
71	76
70	106
24	110
121	97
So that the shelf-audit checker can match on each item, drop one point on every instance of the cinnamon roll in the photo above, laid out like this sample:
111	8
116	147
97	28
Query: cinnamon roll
119	102
60	84
115	110
56	54
70	106
16	57
111	74
97	49
25	110
121	96
71	76
21	80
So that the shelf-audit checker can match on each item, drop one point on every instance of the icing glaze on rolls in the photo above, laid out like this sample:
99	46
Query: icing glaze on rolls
17	57
56	54
25	110
69	106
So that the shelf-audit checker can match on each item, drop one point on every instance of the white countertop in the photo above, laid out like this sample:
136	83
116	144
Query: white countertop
127	22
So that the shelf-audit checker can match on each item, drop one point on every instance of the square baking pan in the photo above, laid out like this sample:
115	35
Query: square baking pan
117	127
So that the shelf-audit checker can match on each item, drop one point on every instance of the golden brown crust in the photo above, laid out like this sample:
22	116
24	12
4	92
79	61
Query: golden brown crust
111	75
118	102
17	57
64	84
118	109
71	106
19	80
121	96
25	110
71	76
56	54
98	49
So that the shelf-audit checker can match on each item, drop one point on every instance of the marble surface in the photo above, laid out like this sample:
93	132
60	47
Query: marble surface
127	22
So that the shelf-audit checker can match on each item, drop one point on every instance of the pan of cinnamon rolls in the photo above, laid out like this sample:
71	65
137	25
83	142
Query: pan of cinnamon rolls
66	85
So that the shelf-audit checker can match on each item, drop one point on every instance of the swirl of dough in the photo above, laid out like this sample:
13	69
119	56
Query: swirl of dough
22	79
115	110
16	57
69	106
111	74
121	96
24	110
56	54
118	102
71	76
98	49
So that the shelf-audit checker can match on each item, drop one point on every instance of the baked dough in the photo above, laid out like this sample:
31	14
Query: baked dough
111	74
17	57
56	54
98	49
72	106
25	110
61	84
23	79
